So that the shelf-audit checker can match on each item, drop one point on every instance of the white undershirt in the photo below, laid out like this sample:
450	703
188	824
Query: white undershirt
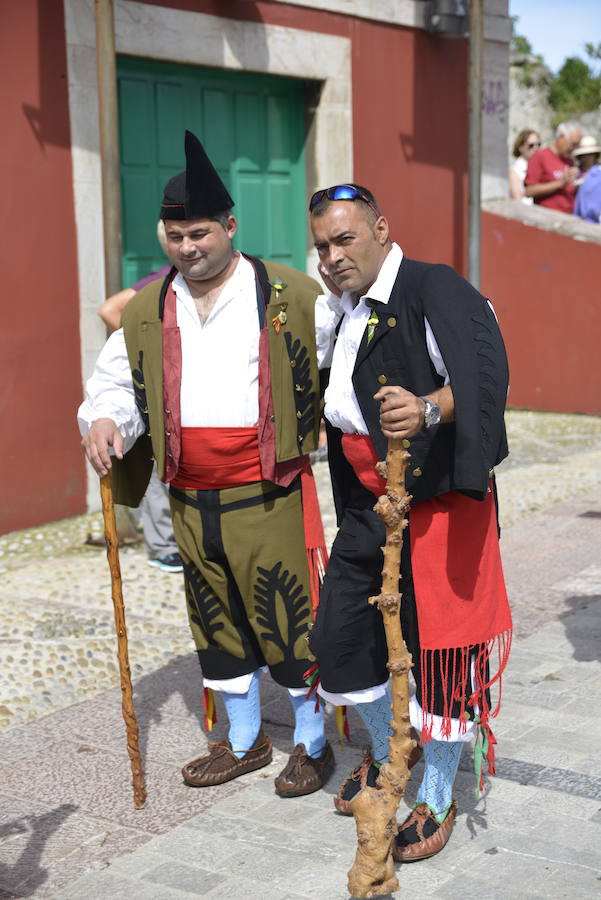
341	405
219	386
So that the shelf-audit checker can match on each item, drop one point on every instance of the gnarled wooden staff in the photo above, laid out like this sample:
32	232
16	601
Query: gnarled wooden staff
375	808
127	697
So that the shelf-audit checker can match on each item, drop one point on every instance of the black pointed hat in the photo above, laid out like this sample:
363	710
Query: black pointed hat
197	193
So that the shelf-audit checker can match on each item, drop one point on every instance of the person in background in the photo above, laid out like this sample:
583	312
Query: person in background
157	526
526	143
588	198
586	155
110	310
551	172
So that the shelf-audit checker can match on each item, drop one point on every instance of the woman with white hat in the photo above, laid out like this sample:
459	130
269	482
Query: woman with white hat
588	198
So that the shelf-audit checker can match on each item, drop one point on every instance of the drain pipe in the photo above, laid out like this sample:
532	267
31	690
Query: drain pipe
476	47
108	120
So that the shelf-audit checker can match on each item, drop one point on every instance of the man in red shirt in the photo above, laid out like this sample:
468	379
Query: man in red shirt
551	172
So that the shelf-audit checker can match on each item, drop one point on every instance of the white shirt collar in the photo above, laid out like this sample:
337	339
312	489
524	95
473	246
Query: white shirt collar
381	289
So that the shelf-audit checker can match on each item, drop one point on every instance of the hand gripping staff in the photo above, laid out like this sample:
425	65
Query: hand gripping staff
375	808
127	700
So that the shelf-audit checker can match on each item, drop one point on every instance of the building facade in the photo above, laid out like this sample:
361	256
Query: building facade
287	96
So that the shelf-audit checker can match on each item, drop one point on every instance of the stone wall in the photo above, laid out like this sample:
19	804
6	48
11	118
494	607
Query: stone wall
528	104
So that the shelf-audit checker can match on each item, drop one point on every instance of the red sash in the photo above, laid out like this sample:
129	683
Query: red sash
215	458
459	588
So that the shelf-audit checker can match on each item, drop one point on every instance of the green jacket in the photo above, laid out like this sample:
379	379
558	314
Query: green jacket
294	377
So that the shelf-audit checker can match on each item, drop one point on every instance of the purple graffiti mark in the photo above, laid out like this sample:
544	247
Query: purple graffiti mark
493	99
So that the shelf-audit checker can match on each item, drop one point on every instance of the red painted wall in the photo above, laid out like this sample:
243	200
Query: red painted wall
545	289
42	475
409	123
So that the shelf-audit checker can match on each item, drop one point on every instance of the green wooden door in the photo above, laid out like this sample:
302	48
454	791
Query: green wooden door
252	128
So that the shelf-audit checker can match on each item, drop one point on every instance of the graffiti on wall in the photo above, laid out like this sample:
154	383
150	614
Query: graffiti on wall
494	99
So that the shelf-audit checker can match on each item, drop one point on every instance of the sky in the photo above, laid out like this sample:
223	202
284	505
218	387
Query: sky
558	28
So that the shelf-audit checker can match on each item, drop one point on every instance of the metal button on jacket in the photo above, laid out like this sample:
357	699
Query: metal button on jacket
382	379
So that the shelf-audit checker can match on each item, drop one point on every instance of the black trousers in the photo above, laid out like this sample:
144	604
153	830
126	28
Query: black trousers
348	636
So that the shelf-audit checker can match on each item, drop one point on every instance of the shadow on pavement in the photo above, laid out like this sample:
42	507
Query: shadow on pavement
153	691
582	623
26	875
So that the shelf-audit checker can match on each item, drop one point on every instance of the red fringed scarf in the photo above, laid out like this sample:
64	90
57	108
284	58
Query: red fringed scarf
462	608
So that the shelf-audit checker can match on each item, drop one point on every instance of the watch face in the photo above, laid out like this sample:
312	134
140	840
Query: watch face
432	416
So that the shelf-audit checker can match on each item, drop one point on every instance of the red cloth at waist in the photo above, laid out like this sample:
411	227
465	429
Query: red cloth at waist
462	610
216	458
455	559
361	453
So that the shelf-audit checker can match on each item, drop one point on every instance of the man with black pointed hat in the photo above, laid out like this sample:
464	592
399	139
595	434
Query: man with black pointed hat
214	374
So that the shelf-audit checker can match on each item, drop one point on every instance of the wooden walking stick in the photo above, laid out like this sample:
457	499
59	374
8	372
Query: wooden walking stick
375	808
127	697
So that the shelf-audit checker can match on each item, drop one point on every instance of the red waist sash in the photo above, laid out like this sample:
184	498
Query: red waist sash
216	458
361	453
459	587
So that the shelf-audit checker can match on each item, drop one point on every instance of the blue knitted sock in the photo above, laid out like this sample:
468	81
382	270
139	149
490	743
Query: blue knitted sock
441	760
309	725
376	715
244	713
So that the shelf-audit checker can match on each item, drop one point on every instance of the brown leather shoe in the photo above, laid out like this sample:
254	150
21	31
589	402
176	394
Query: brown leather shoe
221	764
304	774
421	836
367	773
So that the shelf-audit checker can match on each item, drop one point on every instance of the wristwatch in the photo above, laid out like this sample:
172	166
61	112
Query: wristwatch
431	413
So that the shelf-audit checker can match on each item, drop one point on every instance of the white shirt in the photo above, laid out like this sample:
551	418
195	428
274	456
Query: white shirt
341	406
220	362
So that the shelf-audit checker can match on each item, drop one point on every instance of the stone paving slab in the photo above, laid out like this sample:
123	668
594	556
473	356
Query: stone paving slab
67	825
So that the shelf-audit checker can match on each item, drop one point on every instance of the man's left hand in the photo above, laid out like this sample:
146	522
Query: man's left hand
401	412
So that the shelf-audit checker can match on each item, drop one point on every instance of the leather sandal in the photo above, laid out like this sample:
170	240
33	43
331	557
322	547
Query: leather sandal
304	774
366	773
421	835
221	764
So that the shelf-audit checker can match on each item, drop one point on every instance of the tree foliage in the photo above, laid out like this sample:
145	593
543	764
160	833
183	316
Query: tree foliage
577	87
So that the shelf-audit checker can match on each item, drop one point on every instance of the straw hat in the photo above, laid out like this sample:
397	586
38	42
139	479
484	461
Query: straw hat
587	144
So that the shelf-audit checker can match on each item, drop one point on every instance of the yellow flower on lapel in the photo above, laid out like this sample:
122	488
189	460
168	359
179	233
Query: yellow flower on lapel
278	286
371	325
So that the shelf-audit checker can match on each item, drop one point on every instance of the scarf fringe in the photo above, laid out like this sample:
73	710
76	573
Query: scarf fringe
452	666
311	678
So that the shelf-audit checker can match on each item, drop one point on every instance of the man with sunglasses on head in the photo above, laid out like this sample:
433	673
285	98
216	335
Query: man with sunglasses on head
214	374
418	357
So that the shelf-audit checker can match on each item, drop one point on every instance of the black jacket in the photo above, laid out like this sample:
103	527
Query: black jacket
456	456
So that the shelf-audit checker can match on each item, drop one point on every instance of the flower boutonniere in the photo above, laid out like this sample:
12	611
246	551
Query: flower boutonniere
371	325
278	287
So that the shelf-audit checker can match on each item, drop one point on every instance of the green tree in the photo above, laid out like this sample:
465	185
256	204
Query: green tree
577	86
574	87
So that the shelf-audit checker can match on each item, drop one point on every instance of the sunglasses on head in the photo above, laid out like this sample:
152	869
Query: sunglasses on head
341	192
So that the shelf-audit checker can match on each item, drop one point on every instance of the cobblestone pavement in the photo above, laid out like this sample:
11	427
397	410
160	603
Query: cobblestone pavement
56	618
65	799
